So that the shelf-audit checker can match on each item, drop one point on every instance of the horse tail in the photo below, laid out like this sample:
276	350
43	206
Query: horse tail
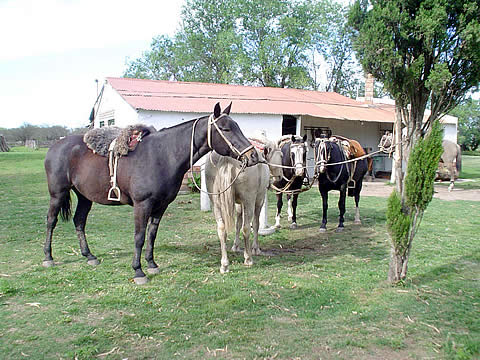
66	208
225	200
459	159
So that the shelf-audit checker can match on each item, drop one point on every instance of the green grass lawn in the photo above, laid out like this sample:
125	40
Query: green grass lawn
321	296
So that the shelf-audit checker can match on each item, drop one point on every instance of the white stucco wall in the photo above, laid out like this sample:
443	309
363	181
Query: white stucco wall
250	124
112	106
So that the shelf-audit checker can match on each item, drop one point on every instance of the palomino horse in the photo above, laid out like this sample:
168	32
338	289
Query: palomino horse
334	173
294	149
149	177
245	196
452	159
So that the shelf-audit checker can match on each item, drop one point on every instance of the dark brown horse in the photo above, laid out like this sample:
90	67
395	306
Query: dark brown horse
149	177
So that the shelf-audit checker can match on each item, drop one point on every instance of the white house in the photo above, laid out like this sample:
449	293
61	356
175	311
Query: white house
277	111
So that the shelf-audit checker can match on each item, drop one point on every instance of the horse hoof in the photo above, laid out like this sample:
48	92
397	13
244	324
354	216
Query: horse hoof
48	263
248	263
339	229
357	222
224	270
153	271
236	248
322	230
293	226
140	280
93	262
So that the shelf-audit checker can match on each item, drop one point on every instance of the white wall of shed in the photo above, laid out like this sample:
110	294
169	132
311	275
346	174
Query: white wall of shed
112	102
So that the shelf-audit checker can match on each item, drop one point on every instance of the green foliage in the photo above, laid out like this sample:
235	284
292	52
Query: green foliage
197	178
422	165
273	43
398	222
420	50
468	114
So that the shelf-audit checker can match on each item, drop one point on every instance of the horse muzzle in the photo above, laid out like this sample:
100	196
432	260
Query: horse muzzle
250	157
321	168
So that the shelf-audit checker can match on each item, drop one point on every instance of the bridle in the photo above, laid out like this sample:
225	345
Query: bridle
322	155
240	157
213	121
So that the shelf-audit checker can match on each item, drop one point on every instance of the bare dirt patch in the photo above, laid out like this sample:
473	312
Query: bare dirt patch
382	189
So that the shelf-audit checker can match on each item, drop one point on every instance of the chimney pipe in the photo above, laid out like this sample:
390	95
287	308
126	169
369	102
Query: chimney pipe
369	83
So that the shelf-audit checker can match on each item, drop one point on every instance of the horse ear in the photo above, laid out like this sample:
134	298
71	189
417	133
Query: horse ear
266	150
304	137
216	110
227	109
293	138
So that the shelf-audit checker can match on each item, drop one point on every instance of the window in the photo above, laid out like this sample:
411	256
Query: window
111	122
102	123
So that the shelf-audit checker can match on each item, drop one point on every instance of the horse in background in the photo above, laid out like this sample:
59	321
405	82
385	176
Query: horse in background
232	190
452	159
334	173
149	178
294	149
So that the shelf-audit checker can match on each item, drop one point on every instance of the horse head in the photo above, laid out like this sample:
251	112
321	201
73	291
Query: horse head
273	155
323	149
225	137
386	141
298	154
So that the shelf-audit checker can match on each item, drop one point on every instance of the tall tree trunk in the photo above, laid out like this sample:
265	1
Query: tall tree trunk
398	156
3	144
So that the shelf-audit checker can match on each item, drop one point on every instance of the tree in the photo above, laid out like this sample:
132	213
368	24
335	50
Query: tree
422	51
251	42
404	217
334	45
468	114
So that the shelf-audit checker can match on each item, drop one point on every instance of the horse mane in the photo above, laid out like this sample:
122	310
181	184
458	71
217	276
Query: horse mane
225	173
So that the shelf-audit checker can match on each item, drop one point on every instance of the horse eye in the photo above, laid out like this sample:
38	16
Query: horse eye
225	129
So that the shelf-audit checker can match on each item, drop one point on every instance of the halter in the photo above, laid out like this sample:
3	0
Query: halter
213	121
324	154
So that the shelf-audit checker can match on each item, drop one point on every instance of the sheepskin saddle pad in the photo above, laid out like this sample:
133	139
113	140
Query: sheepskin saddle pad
98	140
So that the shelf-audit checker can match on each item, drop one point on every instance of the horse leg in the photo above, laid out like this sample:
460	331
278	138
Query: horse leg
151	236
255	226
292	206
451	170
238	227
222	235
324	194
279	210
289	207
247	221
357	200
79	219
52	219
141	216
341	208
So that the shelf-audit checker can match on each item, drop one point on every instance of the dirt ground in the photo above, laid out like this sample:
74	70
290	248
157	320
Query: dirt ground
379	187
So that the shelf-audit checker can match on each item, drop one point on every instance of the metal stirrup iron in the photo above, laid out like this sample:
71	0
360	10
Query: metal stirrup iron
114	194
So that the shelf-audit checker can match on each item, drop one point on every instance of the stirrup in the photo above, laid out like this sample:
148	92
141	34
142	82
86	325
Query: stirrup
114	194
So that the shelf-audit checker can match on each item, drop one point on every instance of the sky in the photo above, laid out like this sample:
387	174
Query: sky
52	51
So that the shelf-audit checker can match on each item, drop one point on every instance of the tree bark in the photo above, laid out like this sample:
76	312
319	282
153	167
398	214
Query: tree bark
398	156
3	144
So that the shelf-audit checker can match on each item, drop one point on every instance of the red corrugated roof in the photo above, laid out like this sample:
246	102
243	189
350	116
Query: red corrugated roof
201	97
